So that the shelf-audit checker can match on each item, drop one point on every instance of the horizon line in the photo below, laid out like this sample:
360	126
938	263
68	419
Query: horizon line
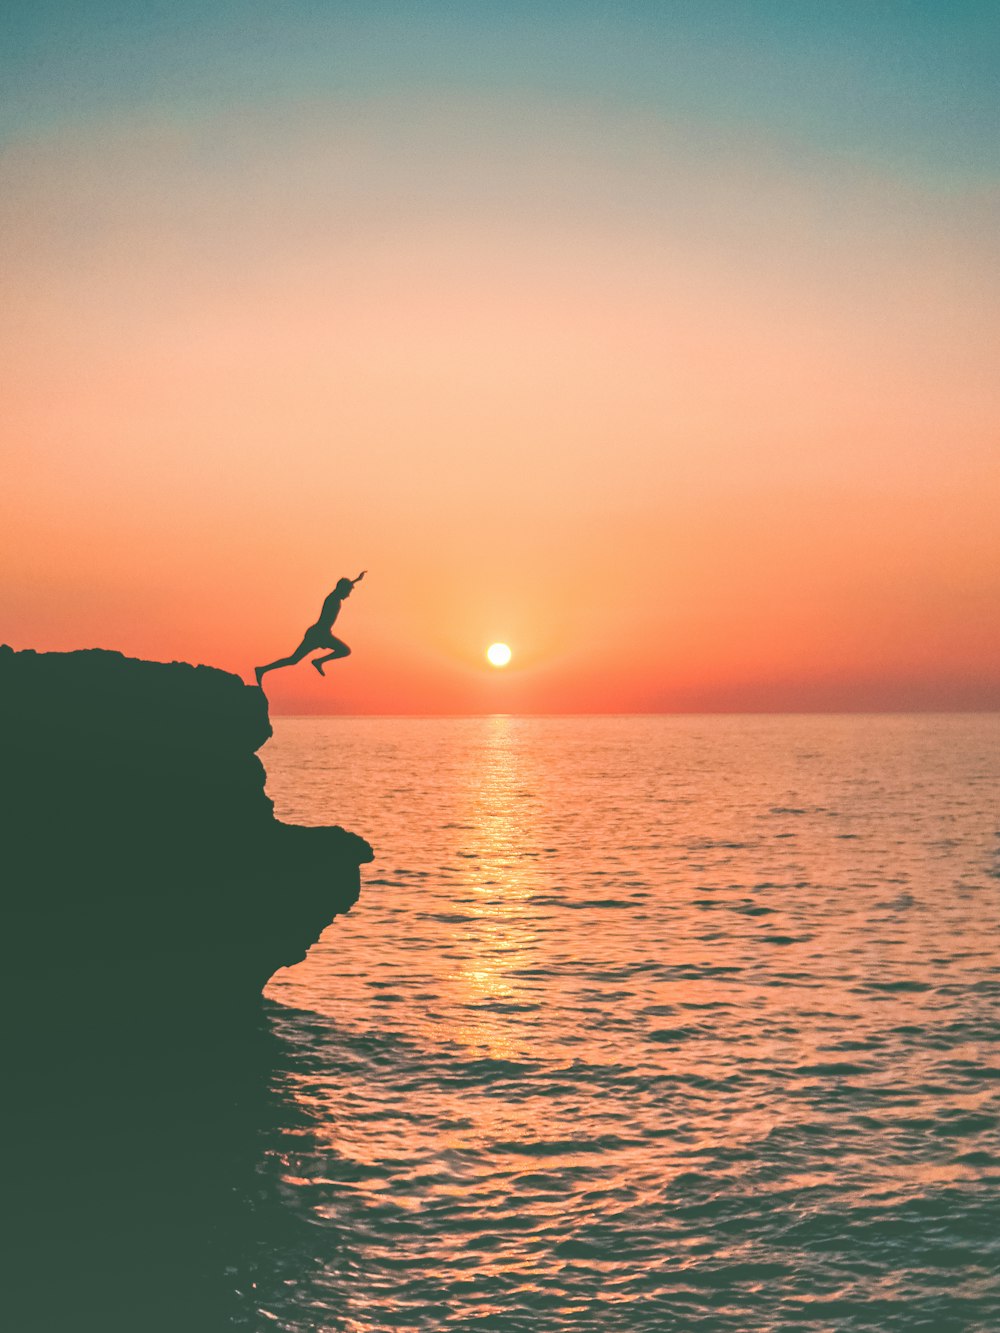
703	712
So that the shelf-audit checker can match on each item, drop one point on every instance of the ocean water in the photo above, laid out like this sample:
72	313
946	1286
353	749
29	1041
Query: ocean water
642	1023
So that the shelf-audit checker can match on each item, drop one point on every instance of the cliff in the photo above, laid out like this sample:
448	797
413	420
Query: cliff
147	865
150	894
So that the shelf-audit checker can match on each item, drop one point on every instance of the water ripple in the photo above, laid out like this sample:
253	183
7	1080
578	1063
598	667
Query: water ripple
644	1024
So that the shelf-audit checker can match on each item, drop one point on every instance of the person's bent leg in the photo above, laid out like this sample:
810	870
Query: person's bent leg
340	649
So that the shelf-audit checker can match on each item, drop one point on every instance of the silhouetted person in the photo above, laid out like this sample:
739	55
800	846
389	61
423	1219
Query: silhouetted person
319	635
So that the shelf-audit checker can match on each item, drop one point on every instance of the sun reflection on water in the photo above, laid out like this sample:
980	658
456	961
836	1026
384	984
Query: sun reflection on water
498	938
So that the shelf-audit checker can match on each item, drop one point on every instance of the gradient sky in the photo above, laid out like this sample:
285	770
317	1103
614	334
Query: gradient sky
657	339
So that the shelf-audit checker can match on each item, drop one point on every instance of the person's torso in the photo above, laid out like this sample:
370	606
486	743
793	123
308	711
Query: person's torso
330	612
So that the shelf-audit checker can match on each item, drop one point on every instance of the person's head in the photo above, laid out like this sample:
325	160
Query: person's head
344	587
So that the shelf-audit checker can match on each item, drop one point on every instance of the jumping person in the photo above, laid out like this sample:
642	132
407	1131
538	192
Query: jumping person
319	635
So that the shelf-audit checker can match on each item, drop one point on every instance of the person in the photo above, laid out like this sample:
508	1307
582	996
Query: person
319	635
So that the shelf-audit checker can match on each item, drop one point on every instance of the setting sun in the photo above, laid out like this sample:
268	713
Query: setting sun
498	654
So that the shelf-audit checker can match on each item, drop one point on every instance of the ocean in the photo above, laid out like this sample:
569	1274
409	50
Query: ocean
641	1023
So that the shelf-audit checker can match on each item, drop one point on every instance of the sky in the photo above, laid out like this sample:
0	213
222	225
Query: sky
655	339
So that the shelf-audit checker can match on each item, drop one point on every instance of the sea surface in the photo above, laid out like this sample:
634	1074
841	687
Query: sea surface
642	1023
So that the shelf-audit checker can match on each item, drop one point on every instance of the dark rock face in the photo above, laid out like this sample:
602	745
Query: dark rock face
150	894
147	863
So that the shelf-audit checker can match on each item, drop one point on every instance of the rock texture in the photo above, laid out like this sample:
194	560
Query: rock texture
148	867
149	895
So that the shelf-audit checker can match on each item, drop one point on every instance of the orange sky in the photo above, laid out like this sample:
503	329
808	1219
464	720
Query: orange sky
691	419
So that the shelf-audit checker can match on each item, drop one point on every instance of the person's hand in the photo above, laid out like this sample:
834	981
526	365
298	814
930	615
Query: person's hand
361	576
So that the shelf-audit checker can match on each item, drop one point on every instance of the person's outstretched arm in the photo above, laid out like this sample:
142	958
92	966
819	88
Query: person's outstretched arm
360	576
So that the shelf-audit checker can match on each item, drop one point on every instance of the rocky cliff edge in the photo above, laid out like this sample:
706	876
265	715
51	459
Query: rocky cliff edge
149	894
147	876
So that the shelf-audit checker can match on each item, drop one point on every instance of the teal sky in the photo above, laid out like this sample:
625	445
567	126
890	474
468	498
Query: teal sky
907	85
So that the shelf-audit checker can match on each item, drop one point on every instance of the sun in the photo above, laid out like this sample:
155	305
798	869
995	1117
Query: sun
499	654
